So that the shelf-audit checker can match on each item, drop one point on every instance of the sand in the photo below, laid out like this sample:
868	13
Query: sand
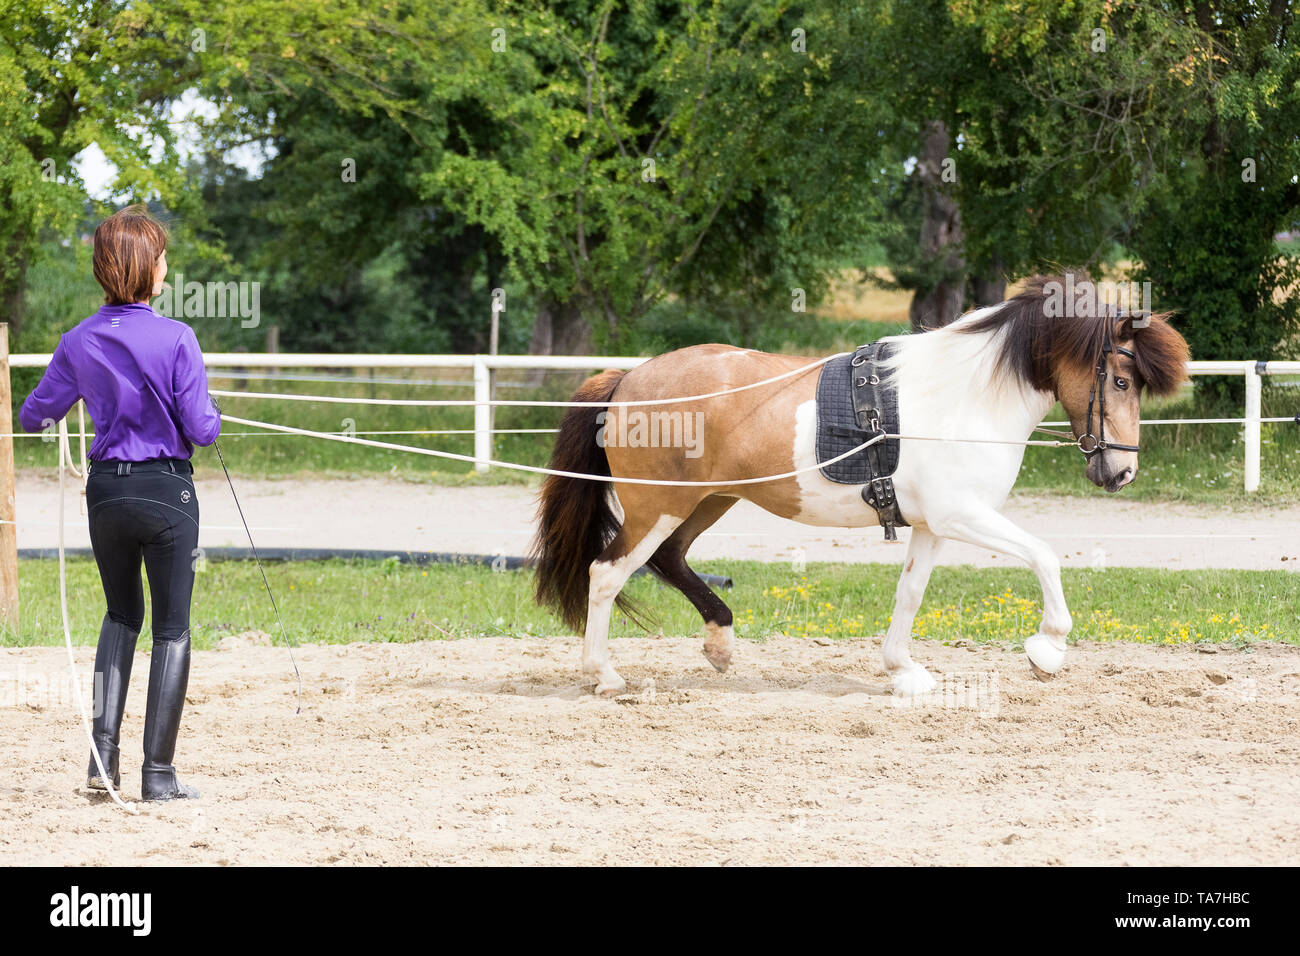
495	751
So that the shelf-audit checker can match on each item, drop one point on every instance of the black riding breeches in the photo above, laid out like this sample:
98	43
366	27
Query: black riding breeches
144	513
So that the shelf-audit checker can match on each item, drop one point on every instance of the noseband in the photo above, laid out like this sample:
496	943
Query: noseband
1089	443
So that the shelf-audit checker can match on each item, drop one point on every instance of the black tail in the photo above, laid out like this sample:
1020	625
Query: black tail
575	520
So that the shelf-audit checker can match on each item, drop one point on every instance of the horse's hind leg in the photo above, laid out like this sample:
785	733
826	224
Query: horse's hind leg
910	678
642	533
669	562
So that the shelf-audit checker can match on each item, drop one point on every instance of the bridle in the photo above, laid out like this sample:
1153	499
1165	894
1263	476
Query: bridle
1089	443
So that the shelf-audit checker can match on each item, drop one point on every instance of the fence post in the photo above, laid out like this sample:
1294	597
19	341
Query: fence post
482	415
8	530
1254	382
494	339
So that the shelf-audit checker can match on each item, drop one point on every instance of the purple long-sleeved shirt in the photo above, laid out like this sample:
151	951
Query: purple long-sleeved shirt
143	380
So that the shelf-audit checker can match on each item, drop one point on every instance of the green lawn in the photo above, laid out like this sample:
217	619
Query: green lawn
346	601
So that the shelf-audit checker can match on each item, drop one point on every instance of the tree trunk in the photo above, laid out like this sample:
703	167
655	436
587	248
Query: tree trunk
560	329
988	284
940	302
11	300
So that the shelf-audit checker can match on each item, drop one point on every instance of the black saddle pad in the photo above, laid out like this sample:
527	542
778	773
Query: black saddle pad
837	426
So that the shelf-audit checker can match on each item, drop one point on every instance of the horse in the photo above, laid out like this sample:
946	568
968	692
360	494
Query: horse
982	384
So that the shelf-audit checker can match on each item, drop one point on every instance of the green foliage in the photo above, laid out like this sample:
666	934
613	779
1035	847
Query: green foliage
110	74
653	149
604	160
675	324
1208	251
1149	140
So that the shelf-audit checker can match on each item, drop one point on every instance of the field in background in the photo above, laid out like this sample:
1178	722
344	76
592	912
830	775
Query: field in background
852	296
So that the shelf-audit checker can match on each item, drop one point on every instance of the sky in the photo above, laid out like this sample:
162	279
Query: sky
98	173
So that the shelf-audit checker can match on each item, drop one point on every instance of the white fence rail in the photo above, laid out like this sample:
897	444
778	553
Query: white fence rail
484	366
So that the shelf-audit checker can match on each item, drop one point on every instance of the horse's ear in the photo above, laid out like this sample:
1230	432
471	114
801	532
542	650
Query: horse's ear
1161	353
1132	322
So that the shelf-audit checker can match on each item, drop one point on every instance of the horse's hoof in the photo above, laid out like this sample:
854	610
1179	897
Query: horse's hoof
1041	674
720	660
914	682
1045	656
718	642
611	690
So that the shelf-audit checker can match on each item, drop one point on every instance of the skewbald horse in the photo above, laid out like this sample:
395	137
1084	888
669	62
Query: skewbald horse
992	375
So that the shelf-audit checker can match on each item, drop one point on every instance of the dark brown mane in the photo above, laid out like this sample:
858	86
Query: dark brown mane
1036	345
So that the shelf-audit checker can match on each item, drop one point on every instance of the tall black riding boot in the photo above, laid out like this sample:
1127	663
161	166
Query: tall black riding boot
113	659
169	674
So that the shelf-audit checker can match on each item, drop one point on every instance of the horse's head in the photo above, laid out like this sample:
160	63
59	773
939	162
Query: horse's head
1101	371
1096	360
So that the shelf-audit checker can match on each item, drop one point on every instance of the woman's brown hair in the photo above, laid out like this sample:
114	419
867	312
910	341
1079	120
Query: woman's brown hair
128	245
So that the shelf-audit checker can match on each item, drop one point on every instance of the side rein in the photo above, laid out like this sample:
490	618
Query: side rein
1089	443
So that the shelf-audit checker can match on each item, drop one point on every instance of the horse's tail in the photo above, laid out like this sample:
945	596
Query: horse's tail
575	520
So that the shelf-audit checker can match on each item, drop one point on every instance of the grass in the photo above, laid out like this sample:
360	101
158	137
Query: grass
851	296
347	601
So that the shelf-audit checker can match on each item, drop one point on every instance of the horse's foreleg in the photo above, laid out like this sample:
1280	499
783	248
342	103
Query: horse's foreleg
910	678
989	529
632	547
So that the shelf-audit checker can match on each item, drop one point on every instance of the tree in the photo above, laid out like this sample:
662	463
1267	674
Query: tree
634	144
1184	116
109	74
1009	177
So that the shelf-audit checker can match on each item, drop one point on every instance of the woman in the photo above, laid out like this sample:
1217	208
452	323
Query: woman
142	377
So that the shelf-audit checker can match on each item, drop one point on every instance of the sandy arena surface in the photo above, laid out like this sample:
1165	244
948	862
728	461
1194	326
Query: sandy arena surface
495	751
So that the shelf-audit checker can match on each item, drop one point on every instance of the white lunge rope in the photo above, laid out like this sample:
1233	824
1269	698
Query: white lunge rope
471	403
65	464
470	459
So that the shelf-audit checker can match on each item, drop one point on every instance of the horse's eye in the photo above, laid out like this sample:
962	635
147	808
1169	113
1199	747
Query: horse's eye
1121	383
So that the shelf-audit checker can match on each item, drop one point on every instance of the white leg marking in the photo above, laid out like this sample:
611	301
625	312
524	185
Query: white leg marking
607	579
1046	653
910	678
989	529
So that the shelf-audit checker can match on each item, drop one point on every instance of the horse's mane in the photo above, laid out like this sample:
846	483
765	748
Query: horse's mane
1034	345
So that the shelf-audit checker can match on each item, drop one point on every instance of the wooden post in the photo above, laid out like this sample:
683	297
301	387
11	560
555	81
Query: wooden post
8	530
273	345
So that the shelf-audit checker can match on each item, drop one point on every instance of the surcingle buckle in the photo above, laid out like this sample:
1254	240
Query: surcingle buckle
879	493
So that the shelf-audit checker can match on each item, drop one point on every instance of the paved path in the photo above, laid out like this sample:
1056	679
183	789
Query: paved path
377	512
